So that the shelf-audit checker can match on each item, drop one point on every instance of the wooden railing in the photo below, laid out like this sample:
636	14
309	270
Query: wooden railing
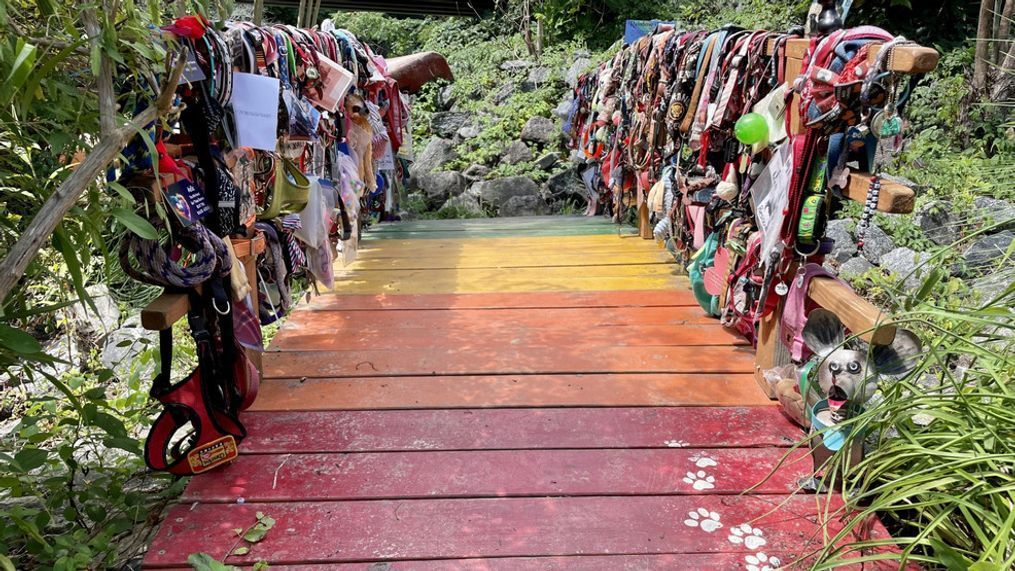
857	314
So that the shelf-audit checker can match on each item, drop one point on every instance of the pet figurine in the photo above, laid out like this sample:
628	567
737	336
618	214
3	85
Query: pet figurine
843	376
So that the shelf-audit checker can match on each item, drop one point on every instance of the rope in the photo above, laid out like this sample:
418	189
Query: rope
155	264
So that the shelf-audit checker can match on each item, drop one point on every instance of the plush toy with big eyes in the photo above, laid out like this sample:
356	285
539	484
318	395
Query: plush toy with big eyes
844	376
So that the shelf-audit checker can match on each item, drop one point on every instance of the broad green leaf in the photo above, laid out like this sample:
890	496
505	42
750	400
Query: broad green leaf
205	562
6	564
109	423
46	7
29	459
18	341
984	566
259	530
22	66
242	550
70	256
122	191
135	223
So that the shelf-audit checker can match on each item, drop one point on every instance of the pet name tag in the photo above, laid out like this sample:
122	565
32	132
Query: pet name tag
187	202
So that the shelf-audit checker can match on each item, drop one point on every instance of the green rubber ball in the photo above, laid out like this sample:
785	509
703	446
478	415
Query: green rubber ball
751	129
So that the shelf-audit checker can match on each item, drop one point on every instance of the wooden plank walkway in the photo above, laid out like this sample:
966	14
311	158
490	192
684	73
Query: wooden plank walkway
520	394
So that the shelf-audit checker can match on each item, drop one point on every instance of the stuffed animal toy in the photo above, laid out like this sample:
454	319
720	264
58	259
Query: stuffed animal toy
843	376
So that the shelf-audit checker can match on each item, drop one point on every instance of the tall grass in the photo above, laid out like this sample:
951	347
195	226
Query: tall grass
940	465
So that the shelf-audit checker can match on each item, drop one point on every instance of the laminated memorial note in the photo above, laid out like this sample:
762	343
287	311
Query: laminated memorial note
770	194
334	84
255	110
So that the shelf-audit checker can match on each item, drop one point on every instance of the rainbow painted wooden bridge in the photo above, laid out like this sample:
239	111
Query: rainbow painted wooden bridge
508	394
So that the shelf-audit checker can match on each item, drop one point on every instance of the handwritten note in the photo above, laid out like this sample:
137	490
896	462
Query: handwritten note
255	109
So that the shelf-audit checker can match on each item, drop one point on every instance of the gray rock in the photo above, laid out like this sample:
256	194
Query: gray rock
446	123
505	92
566	184
516	152
538	76
476	172
547	161
516	64
903	263
845	245
498	191
438	152
437	187
563	109
939	222
985	253
468	132
577	68
996	211
124	346
992	285
446	98
524	206
854	267
876	244
463	204
90	323
539	130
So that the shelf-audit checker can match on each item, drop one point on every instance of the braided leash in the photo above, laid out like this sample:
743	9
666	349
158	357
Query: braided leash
155	265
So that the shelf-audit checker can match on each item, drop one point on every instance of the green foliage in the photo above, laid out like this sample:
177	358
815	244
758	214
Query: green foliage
75	486
938	470
754	14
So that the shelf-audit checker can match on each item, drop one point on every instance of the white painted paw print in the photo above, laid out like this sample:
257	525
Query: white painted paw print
751	537
700	480
675	443
703	460
705	520
761	562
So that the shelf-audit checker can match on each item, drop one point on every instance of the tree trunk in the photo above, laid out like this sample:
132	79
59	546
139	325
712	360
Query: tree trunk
983	30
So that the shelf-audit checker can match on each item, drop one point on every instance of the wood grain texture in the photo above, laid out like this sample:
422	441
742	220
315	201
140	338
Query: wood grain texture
516	428
502	473
369	530
497	300
507	360
498	391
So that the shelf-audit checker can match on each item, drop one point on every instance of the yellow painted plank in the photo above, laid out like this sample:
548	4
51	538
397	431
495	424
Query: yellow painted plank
524	242
466	280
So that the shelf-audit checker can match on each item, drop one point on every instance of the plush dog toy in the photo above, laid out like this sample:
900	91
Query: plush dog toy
843	376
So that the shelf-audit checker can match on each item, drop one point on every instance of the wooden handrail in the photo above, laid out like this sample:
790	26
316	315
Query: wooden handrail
168	308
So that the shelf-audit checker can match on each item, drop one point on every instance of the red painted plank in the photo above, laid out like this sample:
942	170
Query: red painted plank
681	562
488	335
530	300
498	391
502	473
504	527
512	428
549	360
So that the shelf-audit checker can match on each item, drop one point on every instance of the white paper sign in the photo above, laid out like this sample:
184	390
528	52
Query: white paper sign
771	198
255	110
387	160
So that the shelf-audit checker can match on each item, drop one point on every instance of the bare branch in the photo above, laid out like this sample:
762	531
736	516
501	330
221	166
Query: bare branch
107	99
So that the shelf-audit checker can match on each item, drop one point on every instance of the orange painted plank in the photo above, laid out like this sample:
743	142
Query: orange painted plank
628	389
516	428
576	319
521	300
489	335
548	360
502	473
323	532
